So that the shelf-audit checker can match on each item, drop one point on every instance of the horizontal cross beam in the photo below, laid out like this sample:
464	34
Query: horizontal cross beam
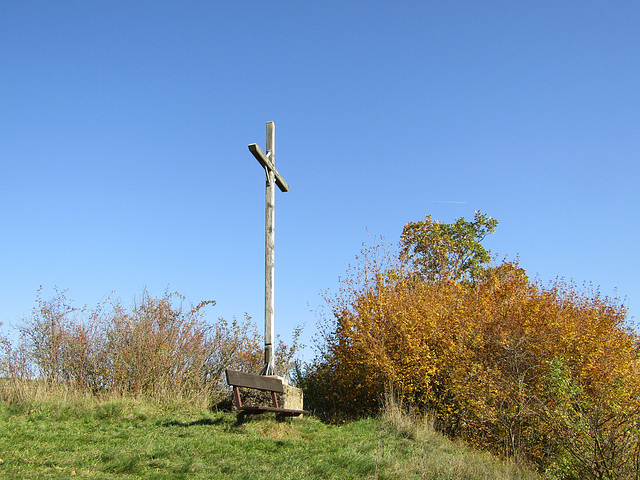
268	166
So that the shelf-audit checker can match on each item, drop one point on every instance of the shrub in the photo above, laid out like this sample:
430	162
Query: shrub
549	373
157	348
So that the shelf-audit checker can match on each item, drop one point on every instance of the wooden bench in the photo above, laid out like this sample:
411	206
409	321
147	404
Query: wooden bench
259	382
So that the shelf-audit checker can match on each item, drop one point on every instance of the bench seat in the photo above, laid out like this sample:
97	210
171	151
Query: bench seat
259	382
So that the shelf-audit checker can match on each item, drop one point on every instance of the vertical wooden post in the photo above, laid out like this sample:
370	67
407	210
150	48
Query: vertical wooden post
269	253
273	179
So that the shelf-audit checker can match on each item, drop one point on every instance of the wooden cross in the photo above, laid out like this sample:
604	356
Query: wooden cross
268	162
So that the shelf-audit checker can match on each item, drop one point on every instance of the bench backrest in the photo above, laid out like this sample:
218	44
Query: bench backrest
259	382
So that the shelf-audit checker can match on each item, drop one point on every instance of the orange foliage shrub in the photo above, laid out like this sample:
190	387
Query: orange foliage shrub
506	364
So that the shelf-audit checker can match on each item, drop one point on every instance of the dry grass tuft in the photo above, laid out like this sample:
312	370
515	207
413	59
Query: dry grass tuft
436	456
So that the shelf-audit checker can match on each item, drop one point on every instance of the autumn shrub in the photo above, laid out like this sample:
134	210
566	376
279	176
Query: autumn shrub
547	373
5	351
5	345
159	347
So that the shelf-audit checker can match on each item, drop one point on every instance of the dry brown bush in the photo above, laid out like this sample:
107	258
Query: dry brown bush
159	347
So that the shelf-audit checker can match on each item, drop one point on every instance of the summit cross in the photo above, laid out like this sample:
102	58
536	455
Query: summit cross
268	162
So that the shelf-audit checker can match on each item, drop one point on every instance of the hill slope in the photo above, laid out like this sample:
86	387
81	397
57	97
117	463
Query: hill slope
124	439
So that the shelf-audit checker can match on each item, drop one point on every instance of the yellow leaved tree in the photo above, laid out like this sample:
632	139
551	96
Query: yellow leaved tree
549	373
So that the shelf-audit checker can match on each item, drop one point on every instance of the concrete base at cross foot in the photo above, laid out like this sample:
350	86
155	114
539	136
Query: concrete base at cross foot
292	398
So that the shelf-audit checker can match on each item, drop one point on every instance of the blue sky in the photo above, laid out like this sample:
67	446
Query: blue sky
124	129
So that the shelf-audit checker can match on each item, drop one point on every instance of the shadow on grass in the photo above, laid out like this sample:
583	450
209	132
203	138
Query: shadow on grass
228	422
234	421
195	423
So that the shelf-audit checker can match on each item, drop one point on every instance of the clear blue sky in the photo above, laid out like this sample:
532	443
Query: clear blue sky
124	129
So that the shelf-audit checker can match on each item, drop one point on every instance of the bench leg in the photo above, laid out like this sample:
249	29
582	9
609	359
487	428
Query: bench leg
236	396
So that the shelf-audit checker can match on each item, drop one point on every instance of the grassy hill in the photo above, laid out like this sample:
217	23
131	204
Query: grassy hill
126	439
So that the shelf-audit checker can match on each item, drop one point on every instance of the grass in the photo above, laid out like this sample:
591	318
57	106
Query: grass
126	439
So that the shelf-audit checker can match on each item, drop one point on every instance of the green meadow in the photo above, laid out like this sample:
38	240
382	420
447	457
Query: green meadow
133	439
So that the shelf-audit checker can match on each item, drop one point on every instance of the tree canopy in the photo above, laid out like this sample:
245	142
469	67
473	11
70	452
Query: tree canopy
448	251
